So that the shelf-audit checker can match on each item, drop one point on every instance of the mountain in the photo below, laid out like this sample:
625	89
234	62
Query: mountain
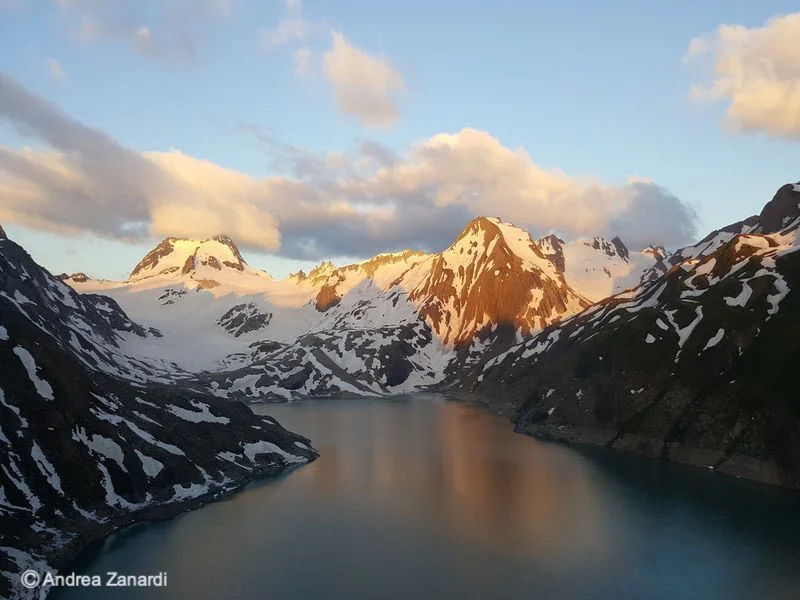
201	264
677	365
597	268
493	275
391	324
698	365
396	323
91	441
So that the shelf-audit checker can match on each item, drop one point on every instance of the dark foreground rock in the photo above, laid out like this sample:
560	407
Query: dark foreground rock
84	451
698	366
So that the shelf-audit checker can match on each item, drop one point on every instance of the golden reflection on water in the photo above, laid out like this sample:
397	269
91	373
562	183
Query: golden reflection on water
456	468
412	497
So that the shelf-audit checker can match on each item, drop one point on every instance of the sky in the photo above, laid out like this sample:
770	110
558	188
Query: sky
316	129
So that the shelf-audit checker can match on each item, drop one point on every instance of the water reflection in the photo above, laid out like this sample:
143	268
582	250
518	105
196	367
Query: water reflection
435	499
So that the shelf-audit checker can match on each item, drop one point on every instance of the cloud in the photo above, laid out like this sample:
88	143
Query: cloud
290	29
302	61
56	70
170	30
365	86
652	215
88	182
369	200
756	71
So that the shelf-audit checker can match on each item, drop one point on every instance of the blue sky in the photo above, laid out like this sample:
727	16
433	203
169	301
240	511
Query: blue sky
598	91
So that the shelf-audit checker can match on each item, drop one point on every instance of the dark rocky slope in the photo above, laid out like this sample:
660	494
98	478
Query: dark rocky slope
83	451
698	366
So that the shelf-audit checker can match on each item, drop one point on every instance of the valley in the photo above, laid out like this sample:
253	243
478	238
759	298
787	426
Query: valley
124	401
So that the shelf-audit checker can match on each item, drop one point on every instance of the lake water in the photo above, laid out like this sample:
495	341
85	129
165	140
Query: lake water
419	497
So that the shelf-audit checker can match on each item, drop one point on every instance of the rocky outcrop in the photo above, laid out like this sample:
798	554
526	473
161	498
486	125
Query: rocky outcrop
152	258
74	277
552	247
244	318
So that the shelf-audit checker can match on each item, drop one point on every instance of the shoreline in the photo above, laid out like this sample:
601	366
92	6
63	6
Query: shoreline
87	536
739	466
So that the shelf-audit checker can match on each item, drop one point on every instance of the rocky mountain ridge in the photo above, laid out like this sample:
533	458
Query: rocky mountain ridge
697	365
391	324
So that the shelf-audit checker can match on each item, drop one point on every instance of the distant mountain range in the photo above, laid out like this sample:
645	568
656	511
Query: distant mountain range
391	324
113	394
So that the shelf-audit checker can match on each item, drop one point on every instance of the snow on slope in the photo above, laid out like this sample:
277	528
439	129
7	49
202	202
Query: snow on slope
598	268
245	307
494	280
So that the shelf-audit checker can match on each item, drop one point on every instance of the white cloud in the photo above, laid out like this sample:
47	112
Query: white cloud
289	29
365	87
171	30
339	204
757	72
302	61
56	70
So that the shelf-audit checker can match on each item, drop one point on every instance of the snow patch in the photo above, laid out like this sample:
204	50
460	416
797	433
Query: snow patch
150	466
203	415
46	467
42	387
101	445
715	339
742	298
262	447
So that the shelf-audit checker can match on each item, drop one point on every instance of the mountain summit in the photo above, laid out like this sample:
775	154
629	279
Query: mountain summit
203	261
493	275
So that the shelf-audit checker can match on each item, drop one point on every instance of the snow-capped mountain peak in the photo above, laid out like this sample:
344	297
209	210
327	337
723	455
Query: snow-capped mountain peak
492	275
597	267
200	260
321	272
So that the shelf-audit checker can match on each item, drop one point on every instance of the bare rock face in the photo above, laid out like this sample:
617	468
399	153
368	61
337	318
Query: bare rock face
75	277
244	318
152	258
3	235
781	210
553	248
327	297
698	365
620	248
493	275
238	262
